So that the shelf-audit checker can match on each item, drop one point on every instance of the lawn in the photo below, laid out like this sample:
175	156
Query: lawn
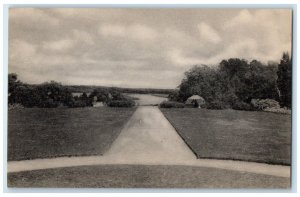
143	176
231	134
43	133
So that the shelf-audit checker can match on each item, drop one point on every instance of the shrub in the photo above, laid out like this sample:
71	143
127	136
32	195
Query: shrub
79	103
239	105
50	103
279	110
121	103
171	104
215	105
15	106
261	104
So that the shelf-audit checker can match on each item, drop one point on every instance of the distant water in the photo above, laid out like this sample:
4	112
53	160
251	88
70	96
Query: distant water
148	99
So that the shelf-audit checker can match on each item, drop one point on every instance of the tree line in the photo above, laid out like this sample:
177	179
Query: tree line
235	82
89	88
53	94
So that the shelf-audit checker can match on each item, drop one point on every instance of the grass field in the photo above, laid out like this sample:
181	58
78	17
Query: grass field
230	134
43	133
143	176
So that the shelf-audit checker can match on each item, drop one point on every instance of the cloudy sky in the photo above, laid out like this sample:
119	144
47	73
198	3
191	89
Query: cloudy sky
138	47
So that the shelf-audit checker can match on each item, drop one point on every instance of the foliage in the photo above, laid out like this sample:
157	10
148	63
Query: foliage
262	104
233	84
13	82
101	95
216	104
113	98
85	88
282	110
171	104
53	94
15	106
82	101
240	105
284	80
121	103
47	95
173	96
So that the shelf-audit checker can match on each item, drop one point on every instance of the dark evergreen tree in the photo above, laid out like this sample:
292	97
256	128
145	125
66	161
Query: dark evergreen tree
284	81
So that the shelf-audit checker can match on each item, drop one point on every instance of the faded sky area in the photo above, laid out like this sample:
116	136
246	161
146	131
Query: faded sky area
146	48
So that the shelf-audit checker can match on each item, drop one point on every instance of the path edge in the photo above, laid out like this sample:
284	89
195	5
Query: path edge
197	156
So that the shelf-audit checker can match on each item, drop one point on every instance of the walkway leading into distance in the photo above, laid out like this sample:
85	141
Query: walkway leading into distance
149	139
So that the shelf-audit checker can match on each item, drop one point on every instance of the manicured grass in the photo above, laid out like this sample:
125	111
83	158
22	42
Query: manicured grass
143	176
231	134
42	133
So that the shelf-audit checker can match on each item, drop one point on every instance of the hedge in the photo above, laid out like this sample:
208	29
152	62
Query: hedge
121	103
171	104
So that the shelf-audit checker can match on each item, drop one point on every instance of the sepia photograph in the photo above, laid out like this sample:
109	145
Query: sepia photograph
177	98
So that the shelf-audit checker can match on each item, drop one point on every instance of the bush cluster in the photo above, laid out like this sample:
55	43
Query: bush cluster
112	98
240	105
46	95
235	82
262	104
282	110
121	103
171	104
215	105
53	94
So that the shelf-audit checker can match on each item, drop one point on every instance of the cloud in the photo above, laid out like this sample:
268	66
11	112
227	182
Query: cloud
245	49
60	45
134	31
112	30
138	47
178	58
83	37
243	18
26	16
21	53
271	30
208	33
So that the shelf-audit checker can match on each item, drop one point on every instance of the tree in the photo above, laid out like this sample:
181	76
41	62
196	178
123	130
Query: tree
259	82
53	94
208	83
233	84
197	81
284	81
101	94
12	82
16	89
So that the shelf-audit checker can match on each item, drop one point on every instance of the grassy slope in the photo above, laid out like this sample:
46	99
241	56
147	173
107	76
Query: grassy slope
41	133
143	176
230	134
